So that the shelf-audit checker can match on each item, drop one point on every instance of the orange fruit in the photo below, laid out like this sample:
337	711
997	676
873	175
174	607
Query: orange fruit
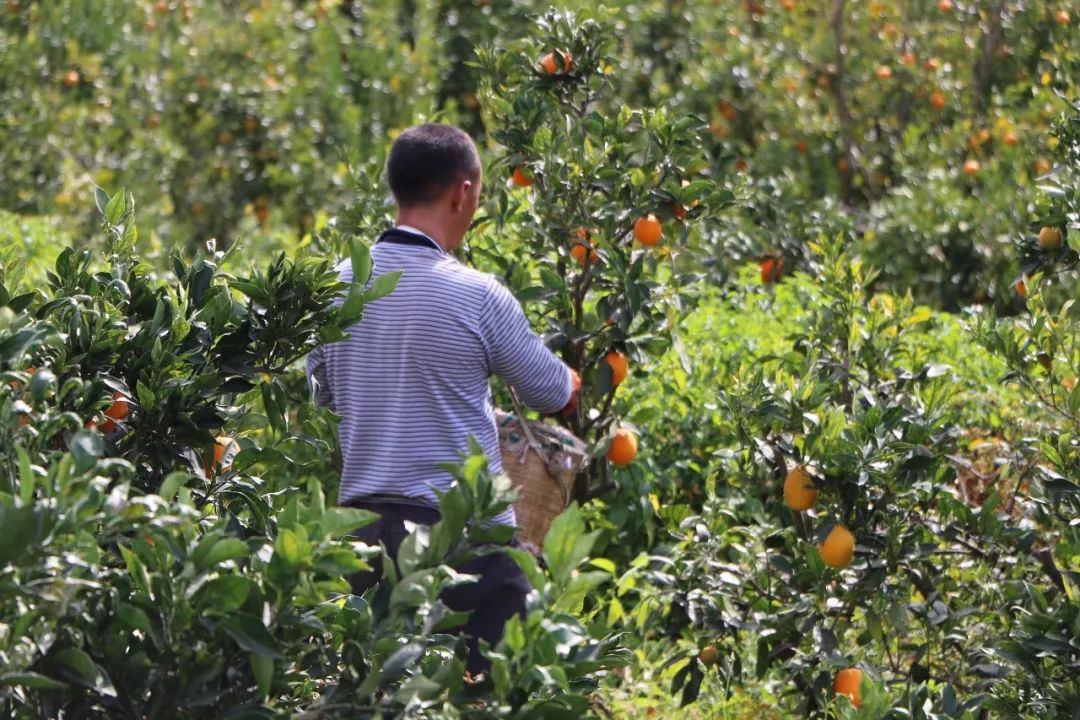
838	548
620	366
623	448
799	490
944	5
72	78
1041	166
1010	138
225	449
549	66
907	59
932	64
709	655
1021	287
1049	238
788	5
883	72
521	178
847	683
119	408
578	253
1069	383
772	267
741	164
648	230
1062	17
972	166
937	100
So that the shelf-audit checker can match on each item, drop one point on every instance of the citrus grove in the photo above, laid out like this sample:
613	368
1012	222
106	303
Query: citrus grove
813	262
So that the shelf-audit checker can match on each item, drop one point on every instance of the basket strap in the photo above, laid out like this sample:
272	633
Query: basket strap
530	441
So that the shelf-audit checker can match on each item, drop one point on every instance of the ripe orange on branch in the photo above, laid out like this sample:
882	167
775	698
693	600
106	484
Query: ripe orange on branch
72	78
1049	238
117	411
550	66
620	366
648	230
579	252
838	548
972	167
799	490
772	267
624	447
521	178
883	72
225	449
709	655
847	683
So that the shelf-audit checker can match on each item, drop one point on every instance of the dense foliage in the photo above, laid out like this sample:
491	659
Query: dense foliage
815	258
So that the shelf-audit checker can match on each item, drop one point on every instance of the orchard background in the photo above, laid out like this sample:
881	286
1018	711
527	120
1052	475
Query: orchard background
814	259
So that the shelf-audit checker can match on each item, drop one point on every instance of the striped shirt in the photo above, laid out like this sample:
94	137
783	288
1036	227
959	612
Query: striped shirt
411	383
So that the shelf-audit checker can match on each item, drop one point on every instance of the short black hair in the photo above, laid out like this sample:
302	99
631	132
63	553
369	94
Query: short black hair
427	159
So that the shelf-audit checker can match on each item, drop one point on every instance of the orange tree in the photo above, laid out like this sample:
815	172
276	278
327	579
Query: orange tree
1042	351
590	220
855	421
145	573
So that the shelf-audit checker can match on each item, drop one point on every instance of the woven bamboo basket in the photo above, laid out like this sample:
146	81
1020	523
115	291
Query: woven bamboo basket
542	461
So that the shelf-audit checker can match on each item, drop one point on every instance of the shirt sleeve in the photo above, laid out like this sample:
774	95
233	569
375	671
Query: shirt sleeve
318	382
517	355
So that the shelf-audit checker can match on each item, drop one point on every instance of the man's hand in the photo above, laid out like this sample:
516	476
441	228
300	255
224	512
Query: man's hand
575	396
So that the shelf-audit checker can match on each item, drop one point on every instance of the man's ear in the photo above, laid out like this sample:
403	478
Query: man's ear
461	194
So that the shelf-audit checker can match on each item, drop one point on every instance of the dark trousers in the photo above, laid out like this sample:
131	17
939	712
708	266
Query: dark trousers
498	595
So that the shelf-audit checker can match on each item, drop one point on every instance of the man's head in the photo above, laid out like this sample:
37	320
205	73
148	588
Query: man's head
435	175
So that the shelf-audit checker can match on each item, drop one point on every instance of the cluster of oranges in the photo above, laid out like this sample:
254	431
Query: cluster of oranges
119	410
836	551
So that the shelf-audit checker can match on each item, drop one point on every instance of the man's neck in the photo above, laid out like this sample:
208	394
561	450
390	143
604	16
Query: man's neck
427	225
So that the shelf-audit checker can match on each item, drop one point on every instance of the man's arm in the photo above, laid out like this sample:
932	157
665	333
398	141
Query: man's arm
519	357
318	383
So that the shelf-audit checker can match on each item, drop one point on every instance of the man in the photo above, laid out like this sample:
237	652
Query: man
411	383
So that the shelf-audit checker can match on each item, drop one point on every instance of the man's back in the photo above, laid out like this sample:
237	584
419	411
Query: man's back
412	381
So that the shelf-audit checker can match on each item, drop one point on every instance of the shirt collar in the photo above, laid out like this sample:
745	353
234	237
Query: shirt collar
421	233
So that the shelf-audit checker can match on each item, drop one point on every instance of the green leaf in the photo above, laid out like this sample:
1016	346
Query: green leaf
341	520
567	544
79	668
383	286
26	476
291	547
262	667
86	447
114	209
360	258
147	398
101	199
30	680
226	592
251	635
227	548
